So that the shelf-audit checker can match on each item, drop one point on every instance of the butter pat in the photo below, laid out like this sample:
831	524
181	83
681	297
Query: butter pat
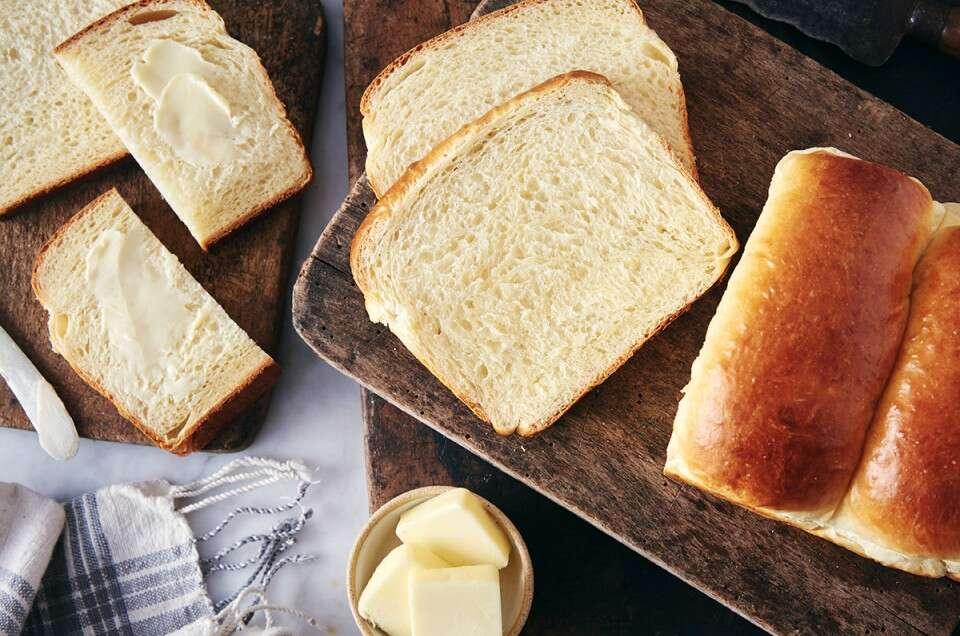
456	527
463	601
191	116
165	59
384	601
195	120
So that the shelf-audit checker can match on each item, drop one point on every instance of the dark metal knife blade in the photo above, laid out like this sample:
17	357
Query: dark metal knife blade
868	30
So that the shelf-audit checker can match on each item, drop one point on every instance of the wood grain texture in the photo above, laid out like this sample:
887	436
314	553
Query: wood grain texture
246	272
751	99
573	597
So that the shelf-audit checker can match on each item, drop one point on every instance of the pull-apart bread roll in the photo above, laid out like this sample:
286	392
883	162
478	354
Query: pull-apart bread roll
903	508
428	93
194	107
533	251
776	411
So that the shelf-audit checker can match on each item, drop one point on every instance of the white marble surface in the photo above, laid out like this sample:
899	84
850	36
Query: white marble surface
315	414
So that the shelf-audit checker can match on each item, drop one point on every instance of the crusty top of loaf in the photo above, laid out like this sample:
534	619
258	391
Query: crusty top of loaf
906	493
805	336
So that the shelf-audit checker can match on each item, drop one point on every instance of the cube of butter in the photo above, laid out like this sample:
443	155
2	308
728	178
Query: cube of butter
463	601
384	601
455	527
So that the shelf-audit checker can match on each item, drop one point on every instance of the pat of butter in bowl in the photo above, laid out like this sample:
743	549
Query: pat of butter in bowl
444	579
455	527
191	116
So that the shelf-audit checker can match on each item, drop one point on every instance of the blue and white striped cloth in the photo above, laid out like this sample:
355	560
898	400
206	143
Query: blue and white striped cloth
123	560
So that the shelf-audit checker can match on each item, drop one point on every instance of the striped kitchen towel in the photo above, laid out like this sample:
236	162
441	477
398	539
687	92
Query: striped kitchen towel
127	561
29	528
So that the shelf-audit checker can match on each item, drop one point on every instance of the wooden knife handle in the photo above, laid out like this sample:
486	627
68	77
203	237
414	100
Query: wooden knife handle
950	36
938	24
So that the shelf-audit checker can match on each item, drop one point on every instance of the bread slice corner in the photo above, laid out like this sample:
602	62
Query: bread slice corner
208	371
50	133
447	277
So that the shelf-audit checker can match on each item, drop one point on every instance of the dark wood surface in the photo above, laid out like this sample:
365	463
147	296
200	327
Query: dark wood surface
246	272
586	582
751	99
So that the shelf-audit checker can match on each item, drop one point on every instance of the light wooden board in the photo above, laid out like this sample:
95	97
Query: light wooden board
247	272
751	99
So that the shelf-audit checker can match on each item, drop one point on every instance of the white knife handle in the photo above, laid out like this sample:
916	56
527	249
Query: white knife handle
54	426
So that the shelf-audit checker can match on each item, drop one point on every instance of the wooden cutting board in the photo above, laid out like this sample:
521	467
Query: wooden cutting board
246	273
751	99
572	596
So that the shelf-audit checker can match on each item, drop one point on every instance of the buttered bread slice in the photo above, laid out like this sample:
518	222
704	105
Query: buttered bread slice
136	326
194	107
428	93
527	256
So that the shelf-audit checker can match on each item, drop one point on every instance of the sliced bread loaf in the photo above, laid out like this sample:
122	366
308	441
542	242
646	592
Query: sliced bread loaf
431	91
50	132
194	107
135	325
528	255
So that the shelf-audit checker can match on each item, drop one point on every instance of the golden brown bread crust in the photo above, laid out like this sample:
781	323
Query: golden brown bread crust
119	13
76	175
803	341
259	208
380	189
907	489
382	210
206	427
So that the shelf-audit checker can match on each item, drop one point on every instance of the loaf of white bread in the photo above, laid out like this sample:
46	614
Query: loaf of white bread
194	107
135	325
50	132
531	253
825	394
428	93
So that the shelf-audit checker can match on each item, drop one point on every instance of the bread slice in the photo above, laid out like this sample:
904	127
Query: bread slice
531	253
50	133
135	325
428	93
244	158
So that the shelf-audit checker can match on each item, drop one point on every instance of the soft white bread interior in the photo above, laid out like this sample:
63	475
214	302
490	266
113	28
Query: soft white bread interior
194	107
135	325
431	91
50	132
528	255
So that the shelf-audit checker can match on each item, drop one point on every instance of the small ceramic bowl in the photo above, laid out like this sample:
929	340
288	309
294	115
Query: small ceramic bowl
379	536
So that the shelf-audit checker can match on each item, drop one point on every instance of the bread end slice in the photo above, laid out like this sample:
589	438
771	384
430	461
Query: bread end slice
411	286
142	332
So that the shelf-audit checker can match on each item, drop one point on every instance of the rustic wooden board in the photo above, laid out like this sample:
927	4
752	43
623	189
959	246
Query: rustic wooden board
751	99
585	582
246	273
572	597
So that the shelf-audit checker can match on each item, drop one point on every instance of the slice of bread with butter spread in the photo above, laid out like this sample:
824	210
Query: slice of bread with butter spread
50	133
137	327
195	108
532	252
